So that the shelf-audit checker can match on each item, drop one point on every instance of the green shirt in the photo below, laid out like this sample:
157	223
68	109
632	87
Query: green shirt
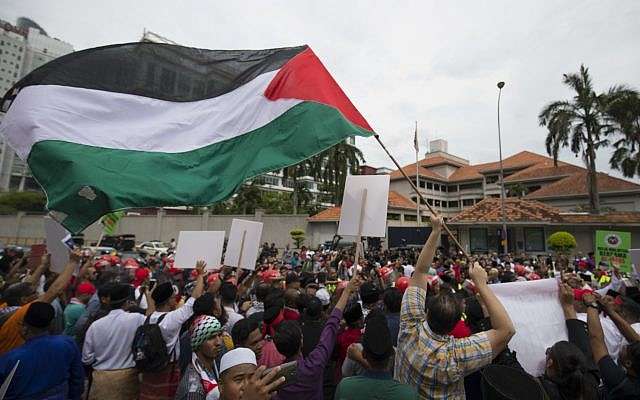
71	314
374	385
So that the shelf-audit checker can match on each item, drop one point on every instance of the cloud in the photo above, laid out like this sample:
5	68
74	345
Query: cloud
431	61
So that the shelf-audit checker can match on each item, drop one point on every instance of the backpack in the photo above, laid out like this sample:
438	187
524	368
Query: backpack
149	348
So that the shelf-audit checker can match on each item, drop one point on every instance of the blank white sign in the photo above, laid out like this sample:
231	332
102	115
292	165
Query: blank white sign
374	223
199	245
252	234
55	233
536	314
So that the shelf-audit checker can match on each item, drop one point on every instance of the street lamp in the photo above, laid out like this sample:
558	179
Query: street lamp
502	191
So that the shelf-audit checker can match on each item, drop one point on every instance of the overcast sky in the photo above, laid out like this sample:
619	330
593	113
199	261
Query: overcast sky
399	61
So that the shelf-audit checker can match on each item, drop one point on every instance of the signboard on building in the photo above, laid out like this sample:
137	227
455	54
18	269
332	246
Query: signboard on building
613	248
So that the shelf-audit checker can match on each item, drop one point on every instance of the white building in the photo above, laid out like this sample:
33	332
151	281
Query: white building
24	47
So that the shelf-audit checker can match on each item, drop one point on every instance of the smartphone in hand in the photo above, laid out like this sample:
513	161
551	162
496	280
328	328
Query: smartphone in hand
288	370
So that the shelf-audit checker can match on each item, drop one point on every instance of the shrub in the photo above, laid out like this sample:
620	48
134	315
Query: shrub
562	242
23	201
298	236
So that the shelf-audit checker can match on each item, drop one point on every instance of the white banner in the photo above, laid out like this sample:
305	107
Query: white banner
537	316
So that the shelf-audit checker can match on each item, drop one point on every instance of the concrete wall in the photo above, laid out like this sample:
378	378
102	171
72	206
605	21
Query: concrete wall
29	229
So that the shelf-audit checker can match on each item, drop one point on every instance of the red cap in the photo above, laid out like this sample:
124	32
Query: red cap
519	270
85	288
578	294
213	277
131	263
402	283
142	274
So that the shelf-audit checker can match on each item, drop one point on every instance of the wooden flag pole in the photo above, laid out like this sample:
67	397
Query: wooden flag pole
360	223
444	226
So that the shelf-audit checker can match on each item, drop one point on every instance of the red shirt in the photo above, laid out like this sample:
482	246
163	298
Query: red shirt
345	339
290	314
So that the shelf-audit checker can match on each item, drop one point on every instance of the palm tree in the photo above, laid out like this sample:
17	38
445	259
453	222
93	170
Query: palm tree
624	111
294	172
247	198
581	124
337	162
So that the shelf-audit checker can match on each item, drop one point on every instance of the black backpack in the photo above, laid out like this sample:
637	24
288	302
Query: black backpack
149	348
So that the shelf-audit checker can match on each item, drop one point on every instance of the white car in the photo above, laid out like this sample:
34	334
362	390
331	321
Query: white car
153	247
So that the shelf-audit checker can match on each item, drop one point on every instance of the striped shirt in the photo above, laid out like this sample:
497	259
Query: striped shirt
435	364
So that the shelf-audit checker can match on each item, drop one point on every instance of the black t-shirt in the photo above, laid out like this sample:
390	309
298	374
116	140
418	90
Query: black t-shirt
619	385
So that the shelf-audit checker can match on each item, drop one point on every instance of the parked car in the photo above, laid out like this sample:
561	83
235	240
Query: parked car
153	247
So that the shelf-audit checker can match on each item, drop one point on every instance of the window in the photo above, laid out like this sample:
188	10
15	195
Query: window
429	185
437	203
468	202
492	179
454	204
423	184
436	187
410	217
478	239
430	202
534	239
453	188
393	217
471	186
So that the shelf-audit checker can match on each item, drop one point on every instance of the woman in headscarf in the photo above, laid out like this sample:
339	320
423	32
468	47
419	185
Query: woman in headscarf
200	379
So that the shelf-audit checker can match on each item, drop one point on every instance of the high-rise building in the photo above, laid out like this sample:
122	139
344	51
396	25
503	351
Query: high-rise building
24	47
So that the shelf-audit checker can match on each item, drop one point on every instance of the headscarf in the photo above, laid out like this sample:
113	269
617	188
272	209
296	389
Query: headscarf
202	329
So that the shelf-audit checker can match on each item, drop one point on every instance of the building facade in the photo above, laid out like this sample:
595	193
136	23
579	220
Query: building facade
24	47
450	184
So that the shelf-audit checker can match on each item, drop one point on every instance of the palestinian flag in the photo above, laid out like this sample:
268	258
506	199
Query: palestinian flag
151	125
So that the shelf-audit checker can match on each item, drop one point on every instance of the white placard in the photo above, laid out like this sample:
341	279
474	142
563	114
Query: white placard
199	245
537	316
252	232
59	251
374	221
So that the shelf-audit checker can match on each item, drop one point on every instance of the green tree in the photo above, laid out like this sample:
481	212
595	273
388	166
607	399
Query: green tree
23	201
581	124
247	199
298	236
334	164
624	111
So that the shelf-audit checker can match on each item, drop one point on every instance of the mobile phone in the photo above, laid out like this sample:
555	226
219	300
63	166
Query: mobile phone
152	283
288	370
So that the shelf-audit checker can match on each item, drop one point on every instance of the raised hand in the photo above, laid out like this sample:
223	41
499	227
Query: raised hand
478	274
200	266
260	386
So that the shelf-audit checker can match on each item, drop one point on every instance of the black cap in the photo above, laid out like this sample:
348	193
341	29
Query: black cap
119	294
162	293
376	340
39	315
369	293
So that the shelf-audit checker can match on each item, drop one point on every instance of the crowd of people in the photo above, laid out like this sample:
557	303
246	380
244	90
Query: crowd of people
308	324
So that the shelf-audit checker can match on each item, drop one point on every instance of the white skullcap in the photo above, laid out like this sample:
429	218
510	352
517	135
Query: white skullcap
238	356
323	296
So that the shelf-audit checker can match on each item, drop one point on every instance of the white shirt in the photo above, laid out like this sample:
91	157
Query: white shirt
612	336
408	270
233	318
107	344
172	323
143	299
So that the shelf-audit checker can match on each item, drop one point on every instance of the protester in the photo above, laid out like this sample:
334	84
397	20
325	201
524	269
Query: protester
622	381
163	384
288	340
427	357
107	349
48	367
229	293
77	306
247	333
21	295
241	379
200	379
392	299
377	381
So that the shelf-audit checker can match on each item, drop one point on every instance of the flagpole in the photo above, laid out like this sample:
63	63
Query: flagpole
417	176
444	226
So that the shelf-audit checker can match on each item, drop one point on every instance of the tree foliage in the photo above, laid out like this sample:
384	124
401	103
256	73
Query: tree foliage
22	201
583	124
